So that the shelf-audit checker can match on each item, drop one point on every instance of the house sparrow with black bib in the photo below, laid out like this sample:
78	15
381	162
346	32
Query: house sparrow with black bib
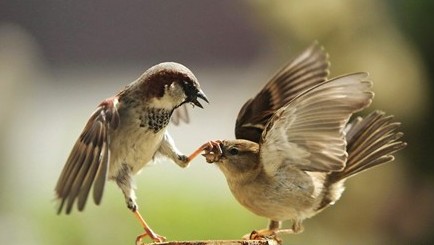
124	134
294	147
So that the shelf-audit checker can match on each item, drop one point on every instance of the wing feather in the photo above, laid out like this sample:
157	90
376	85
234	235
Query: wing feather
93	167
101	175
180	114
308	132
89	159
305	71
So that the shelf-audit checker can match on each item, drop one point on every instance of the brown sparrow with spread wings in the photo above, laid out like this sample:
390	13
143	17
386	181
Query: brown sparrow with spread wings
294	146
124	134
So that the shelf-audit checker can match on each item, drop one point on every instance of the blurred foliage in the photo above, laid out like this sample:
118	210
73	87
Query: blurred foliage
416	20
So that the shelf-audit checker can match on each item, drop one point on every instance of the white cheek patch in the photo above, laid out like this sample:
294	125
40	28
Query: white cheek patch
173	96
176	93
162	103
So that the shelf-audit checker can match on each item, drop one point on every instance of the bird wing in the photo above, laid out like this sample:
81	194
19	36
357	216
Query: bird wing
307	70
88	162
180	114
308	132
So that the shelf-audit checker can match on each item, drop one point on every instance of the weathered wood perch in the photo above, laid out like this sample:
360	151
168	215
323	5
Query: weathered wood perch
220	242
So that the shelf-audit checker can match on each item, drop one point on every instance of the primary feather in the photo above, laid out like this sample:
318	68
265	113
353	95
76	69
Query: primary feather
308	132
305	71
88	162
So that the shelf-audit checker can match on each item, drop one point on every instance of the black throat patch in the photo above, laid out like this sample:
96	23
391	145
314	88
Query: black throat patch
155	118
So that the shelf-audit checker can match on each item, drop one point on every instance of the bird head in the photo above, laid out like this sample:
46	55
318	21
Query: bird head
169	85
237	159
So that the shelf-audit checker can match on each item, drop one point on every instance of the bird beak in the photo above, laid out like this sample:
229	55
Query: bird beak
201	95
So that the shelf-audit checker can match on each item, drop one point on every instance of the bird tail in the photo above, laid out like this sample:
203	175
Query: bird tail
371	141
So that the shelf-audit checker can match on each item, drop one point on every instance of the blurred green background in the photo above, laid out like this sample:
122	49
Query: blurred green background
59	59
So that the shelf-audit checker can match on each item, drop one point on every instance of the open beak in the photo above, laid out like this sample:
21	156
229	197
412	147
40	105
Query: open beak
201	95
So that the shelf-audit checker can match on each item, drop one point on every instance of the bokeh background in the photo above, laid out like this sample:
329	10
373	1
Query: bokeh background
59	59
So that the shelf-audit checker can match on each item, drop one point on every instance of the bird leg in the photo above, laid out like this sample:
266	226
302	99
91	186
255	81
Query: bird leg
297	228
274	229
208	147
125	183
269	233
168	148
148	231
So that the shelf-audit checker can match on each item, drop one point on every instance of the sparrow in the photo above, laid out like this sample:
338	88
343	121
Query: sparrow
124	134
294	147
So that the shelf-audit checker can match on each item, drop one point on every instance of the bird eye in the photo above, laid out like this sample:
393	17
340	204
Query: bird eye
233	151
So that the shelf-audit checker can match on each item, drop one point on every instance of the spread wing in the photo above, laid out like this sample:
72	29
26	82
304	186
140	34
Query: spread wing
308	132
307	70
88	162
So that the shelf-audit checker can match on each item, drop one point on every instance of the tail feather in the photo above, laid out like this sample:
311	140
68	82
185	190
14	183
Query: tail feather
370	141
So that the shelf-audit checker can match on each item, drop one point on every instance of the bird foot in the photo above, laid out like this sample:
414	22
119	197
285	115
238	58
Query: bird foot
155	237
148	231
264	234
213	151
207	147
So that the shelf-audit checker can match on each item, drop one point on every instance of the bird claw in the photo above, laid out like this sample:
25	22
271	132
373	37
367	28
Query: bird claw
213	151
155	237
263	235
148	231
208	147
